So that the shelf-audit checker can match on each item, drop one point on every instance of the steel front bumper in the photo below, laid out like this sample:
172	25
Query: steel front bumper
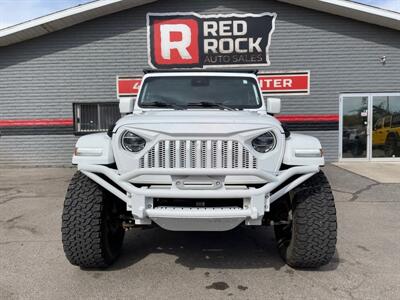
189	184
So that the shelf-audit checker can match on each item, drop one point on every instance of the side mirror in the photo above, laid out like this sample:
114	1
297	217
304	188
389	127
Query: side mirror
126	105
273	105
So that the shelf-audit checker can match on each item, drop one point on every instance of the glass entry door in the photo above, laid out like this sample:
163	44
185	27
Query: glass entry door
354	127
370	127
386	126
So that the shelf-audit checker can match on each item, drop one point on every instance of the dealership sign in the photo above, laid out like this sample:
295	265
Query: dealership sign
285	83
190	40
128	86
282	83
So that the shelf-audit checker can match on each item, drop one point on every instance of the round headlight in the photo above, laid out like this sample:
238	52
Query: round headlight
132	142
265	142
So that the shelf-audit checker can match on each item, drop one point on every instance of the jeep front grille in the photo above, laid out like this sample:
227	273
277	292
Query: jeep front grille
198	154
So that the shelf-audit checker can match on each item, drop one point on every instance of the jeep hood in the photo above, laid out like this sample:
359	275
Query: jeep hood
202	121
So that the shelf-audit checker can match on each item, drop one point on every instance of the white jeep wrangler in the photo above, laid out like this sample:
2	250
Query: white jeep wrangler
199	151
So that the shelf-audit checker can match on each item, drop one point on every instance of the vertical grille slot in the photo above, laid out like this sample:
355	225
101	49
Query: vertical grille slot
161	155
235	155
213	154
182	154
203	154
225	154
172	154
245	161
141	163
151	161
255	166
193	154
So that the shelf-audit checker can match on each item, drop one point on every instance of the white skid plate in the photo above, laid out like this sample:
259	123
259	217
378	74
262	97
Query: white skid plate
198	218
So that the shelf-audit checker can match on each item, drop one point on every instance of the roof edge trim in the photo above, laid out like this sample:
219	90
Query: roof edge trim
353	10
98	8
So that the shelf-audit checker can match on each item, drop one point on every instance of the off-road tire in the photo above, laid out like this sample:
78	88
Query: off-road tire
92	235
309	241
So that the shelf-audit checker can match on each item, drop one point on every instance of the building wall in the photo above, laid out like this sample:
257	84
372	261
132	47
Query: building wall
41	78
43	150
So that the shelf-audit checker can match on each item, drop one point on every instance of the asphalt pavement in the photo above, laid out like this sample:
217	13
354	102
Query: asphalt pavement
157	264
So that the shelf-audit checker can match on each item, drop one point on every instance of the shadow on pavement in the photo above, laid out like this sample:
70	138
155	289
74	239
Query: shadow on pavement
241	248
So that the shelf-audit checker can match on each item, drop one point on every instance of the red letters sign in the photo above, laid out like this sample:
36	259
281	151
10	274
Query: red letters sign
128	87
285	83
288	83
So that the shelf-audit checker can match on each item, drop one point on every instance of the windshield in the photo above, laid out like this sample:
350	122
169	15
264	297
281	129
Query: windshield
183	92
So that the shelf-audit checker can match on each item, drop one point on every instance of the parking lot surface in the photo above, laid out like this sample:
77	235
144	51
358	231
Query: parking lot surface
157	264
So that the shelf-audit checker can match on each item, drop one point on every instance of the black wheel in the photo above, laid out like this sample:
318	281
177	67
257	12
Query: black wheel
92	232
391	148
309	238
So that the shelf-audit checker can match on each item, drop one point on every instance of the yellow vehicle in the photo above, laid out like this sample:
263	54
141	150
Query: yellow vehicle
386	134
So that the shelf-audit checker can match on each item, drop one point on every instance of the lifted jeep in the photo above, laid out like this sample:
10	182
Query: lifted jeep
199	151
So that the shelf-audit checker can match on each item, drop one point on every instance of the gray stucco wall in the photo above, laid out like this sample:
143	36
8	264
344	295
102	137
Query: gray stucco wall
41	78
